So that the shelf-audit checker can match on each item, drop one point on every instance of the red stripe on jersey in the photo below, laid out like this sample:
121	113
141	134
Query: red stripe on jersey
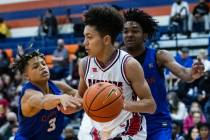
95	134
134	125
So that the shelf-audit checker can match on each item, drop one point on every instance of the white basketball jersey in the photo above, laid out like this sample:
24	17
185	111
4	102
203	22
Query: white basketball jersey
113	73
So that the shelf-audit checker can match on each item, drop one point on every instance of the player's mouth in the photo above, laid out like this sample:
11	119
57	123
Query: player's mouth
45	73
130	42
87	50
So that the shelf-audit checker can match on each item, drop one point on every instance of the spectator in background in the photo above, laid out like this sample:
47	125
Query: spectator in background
69	133
176	132
184	59
188	122
179	14
200	14
6	129
60	61
42	29
4	30
203	55
3	110
74	81
4	63
50	23
204	131
193	134
204	93
177	108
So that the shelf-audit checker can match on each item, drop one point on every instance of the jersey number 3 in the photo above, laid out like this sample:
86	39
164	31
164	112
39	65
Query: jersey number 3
52	125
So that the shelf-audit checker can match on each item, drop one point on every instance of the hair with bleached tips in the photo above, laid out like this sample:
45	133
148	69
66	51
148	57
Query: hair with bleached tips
23	56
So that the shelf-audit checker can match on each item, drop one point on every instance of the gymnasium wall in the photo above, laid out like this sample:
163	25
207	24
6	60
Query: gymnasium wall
22	15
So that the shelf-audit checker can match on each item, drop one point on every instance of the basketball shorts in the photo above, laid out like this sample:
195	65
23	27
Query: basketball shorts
160	134
132	129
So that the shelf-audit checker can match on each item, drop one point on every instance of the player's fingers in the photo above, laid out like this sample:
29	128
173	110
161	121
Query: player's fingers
75	101
198	59
78	101
71	104
64	105
59	108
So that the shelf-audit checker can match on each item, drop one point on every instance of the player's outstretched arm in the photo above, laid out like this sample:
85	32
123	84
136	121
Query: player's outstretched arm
135	75
66	89
165	59
33	101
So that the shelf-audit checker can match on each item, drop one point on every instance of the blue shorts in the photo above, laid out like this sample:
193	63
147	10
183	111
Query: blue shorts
160	134
18	137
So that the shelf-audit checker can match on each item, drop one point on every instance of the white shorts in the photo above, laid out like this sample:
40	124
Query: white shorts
134	128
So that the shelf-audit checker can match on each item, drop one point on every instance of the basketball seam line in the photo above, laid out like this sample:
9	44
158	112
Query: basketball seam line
97	96
107	104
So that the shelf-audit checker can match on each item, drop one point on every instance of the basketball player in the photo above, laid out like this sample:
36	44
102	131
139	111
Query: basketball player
138	27
39	118
106	63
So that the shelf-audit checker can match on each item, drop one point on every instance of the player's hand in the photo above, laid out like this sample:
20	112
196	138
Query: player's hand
197	69
70	101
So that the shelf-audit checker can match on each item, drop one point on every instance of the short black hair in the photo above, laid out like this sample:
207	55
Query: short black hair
106	20
201	125
23	57
148	24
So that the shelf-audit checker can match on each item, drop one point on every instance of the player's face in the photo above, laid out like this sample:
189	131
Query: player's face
37	70
93	42
133	35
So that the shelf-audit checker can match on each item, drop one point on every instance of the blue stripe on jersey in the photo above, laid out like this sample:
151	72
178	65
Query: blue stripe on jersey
45	125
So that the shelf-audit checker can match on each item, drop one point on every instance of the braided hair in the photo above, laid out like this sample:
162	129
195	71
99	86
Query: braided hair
23	56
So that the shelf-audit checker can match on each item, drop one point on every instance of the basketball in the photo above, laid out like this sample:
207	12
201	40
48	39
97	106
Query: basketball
103	101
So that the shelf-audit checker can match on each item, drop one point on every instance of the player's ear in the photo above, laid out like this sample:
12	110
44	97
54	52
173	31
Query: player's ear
25	75
107	40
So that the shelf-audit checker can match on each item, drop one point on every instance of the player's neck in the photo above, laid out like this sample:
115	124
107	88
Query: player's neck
43	86
107	56
138	51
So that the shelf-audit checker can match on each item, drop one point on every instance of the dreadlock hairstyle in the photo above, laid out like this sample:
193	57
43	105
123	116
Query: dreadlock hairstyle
106	20
23	56
148	24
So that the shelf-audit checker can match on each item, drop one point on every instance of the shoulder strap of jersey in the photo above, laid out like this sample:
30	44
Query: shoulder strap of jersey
85	65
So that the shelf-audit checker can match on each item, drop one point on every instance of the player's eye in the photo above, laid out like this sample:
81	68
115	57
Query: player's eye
35	66
89	37
135	31
43	63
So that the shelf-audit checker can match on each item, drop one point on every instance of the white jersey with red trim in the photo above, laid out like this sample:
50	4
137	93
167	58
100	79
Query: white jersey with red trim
112	73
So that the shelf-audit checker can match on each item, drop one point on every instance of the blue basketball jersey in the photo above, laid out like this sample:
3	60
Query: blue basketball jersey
156	81
45	125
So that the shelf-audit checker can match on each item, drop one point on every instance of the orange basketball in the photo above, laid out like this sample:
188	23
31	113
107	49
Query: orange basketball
103	101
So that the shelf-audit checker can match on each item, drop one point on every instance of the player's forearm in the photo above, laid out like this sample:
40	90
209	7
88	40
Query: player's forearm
186	75
45	102
142	106
50	101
